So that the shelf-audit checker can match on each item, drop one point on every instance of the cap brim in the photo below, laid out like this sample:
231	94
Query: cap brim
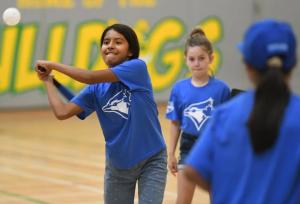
240	46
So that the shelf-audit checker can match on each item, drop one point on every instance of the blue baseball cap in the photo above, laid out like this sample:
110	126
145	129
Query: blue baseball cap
267	38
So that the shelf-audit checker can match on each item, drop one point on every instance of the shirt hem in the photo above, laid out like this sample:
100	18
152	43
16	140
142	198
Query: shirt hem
139	160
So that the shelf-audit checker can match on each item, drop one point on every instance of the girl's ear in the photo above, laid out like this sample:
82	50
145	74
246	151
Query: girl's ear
130	53
184	59
211	58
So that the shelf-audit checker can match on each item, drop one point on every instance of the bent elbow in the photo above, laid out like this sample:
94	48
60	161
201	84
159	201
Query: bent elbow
61	116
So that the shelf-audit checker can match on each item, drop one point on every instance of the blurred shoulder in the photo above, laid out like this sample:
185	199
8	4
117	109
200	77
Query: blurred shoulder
219	82
294	104
135	62
183	83
237	105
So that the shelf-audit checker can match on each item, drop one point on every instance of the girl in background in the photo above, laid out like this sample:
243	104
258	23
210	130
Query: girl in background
191	105
250	151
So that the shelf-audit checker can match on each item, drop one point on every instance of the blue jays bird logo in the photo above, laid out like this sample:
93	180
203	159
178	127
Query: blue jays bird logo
199	112
119	103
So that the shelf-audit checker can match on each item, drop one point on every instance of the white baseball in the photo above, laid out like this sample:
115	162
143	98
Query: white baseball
11	16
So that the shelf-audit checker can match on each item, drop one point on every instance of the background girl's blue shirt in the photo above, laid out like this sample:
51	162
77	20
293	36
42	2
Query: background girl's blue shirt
127	113
193	106
224	157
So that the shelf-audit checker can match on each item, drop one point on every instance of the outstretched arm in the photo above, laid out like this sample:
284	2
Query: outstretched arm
78	74
61	110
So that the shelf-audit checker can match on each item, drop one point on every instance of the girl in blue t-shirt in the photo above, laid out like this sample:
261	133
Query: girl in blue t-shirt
250	151
122	97
191	105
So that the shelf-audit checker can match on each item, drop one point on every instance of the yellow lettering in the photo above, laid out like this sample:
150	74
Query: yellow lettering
122	3
143	3
87	53
92	3
217	61
25	78
141	29
57	36
151	3
23	4
214	31
111	21
164	74
8	48
137	3
165	61
70	4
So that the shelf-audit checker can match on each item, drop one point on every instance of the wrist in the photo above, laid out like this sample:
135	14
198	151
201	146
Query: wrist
48	82
51	65
171	153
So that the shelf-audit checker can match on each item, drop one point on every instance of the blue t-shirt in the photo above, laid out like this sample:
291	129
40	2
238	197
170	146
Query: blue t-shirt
127	114
224	157
193	106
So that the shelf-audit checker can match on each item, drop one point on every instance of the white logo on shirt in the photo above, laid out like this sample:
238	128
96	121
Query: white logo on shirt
119	103
170	107
199	112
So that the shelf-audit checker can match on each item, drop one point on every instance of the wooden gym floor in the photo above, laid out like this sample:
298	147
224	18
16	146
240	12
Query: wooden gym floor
47	161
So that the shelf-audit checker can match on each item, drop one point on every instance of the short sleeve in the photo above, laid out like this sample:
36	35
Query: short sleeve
225	94
173	109
85	99
201	156
133	74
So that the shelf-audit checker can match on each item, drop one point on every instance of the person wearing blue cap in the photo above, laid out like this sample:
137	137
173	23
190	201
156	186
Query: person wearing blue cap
250	150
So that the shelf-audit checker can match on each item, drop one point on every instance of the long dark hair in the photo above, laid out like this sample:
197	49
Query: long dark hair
271	98
128	34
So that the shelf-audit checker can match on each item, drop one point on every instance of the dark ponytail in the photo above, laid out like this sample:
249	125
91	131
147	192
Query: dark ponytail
271	98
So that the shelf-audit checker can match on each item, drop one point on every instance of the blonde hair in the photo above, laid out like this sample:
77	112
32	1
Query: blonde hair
198	38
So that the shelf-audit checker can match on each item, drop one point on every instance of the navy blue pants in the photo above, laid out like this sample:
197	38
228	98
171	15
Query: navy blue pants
187	141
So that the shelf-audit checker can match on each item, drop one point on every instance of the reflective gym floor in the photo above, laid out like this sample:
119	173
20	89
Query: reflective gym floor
47	161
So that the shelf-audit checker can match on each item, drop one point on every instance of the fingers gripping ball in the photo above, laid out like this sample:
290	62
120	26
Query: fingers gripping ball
11	16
